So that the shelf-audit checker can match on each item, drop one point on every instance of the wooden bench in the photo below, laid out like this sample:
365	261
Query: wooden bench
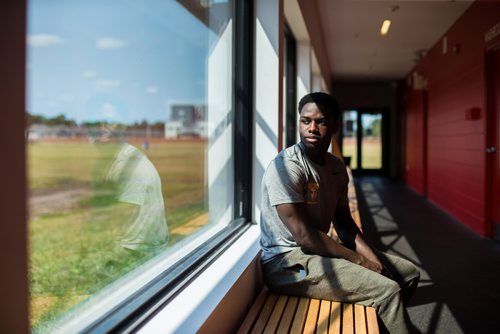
272	313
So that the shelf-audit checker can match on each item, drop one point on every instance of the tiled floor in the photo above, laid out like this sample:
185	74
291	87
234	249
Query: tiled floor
459	290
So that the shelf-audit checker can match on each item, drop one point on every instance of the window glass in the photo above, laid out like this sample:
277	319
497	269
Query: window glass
349	137
371	145
129	141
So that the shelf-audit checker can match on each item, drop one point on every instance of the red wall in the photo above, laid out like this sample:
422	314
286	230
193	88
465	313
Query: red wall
456	158
415	141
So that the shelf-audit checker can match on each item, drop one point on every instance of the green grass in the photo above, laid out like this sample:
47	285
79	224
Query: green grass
349	148
60	165
371	151
75	252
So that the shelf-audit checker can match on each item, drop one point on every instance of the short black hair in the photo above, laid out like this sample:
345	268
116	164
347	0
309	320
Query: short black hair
324	101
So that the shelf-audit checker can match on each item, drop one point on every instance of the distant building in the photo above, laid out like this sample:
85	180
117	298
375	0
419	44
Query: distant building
173	129
186	120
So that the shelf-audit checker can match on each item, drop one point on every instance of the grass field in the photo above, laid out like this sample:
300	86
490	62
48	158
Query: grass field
371	150
75	229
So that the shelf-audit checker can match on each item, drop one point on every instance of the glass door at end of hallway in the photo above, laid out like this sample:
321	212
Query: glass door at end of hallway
362	140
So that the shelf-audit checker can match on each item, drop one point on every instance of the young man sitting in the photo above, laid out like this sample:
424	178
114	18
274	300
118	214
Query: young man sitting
304	191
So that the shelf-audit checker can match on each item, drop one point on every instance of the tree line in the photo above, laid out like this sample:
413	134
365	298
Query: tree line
61	120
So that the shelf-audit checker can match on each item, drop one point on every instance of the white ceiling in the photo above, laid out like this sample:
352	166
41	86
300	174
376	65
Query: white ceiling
356	50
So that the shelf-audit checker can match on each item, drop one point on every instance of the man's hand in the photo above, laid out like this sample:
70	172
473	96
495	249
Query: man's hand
375	266
351	235
363	261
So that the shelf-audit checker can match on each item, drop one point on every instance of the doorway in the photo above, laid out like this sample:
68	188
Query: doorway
364	139
493	142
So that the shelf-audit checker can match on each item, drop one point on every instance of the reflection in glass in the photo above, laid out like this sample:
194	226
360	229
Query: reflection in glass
129	128
132	178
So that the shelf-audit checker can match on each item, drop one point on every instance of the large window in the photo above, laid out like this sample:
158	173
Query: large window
130	154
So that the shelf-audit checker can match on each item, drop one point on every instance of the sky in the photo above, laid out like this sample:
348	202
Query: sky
115	60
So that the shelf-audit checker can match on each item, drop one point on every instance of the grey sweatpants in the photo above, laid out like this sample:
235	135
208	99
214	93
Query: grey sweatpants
305	275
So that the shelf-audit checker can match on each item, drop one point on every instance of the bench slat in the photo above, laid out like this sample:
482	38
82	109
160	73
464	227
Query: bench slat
360	319
300	316
265	313
335	318
371	320
347	319
252	315
324	315
274	320
288	315
312	317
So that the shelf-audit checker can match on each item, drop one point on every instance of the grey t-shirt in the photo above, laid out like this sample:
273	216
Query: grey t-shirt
293	178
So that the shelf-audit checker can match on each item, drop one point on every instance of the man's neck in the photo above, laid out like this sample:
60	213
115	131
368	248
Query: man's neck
316	155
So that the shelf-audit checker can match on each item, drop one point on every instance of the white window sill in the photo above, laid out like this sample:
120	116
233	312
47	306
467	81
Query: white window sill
187	312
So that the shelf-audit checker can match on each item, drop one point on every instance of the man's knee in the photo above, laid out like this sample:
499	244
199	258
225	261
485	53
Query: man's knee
387	288
414	275
411	277
410	285
399	266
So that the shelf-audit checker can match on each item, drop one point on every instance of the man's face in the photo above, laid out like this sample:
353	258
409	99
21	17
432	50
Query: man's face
315	127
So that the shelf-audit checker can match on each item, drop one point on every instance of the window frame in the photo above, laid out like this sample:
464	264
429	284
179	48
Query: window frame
14	283
143	304
291	88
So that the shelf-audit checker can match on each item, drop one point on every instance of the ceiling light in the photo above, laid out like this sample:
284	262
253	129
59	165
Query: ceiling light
385	27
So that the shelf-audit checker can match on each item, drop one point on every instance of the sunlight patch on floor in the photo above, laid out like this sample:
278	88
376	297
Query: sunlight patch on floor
434	317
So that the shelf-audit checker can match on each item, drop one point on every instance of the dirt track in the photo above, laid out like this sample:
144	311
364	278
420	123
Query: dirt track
58	201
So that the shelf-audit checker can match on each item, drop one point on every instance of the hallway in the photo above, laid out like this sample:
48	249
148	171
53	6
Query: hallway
460	271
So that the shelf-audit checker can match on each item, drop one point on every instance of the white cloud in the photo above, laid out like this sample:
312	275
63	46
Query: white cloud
44	40
108	111
151	89
89	74
106	84
110	43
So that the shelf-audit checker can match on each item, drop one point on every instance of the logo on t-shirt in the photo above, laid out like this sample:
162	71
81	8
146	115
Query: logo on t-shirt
312	192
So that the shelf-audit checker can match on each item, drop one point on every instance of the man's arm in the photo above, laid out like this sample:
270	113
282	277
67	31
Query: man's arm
351	235
311	239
